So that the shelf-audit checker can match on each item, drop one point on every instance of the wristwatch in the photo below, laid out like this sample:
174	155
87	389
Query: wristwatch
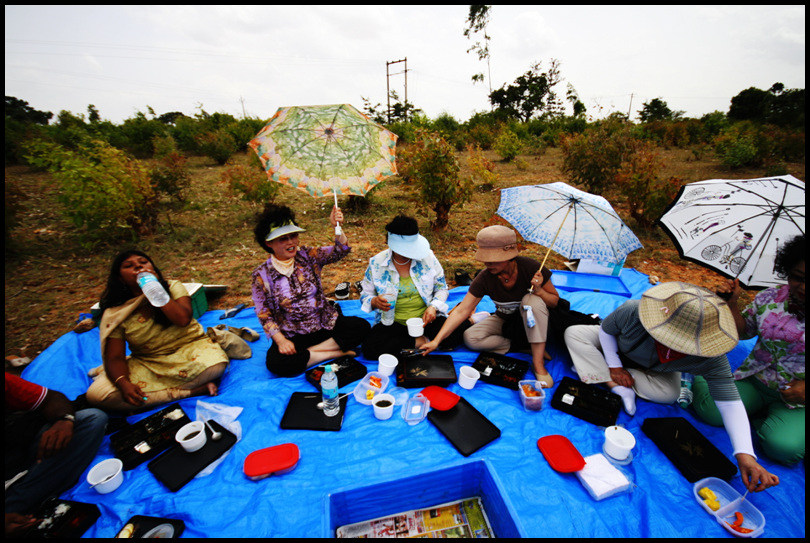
69	417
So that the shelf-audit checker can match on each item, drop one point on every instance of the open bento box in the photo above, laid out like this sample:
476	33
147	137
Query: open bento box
737	515
370	385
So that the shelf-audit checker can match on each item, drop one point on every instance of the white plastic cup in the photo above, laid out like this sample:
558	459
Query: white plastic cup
416	327
383	412
106	476
618	442
467	377
192	436
386	364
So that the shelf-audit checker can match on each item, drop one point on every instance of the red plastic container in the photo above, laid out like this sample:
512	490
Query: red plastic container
561	453
440	398
279	459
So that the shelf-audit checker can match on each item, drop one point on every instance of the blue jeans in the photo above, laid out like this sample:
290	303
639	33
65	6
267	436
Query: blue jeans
58	473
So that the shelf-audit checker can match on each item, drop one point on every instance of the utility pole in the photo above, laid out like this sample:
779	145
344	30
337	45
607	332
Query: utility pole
244	115
629	109
388	86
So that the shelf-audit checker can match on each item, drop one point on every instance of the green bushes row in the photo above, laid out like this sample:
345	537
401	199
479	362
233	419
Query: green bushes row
218	136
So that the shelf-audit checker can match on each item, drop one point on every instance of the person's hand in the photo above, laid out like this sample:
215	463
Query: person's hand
17	523
729	291
755	477
131	392
429	347
54	439
379	302
621	377
286	347
794	393
537	281
336	216
429	315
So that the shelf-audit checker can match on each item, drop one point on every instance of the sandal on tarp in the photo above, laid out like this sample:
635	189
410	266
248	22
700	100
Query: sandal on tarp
342	290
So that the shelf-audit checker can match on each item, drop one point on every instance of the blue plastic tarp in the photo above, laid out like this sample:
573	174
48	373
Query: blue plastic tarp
367	451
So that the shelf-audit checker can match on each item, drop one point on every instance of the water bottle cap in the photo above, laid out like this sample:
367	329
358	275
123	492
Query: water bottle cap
327	368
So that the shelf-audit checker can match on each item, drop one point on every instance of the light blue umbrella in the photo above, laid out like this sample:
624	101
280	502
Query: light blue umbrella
574	223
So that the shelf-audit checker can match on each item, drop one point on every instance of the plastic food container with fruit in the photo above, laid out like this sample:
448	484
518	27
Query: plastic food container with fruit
531	395
732	511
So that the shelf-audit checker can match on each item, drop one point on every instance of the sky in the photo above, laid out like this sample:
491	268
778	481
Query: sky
251	60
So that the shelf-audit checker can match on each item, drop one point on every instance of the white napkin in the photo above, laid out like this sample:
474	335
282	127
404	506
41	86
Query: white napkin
601	478
226	416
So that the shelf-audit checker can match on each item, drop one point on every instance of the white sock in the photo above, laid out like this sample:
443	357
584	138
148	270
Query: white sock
628	397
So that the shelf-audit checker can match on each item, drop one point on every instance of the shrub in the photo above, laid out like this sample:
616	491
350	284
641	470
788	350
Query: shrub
638	180
483	170
218	145
105	193
508	145
170	176
740	146
594	157
250	181
430	165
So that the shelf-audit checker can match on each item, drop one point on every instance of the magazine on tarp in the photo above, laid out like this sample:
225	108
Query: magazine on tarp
462	518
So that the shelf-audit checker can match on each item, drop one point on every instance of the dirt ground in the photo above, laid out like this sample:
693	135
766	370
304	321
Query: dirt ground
50	278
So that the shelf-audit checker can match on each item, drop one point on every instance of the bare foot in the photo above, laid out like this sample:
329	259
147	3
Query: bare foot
212	388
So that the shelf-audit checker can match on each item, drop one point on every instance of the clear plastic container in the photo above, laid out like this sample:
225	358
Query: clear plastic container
415	409
731	502
362	388
531	403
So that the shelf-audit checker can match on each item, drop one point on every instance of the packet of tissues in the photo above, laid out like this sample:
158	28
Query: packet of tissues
601	478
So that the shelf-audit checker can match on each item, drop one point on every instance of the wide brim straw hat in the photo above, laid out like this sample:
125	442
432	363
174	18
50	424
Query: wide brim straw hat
415	247
496	244
688	319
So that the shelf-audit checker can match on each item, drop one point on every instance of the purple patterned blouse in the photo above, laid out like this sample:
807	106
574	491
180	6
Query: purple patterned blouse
778	356
296	304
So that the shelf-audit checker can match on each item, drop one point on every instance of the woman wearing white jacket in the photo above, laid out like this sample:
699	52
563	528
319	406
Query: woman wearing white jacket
402	282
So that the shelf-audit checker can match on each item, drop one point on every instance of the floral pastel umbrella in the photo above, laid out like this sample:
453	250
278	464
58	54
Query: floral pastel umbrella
576	224
326	150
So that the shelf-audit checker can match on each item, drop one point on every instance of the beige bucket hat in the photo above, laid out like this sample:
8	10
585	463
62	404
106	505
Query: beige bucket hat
688	319
496	244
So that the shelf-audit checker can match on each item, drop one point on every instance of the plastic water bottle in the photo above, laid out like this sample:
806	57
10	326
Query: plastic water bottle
152	289
685	398
329	390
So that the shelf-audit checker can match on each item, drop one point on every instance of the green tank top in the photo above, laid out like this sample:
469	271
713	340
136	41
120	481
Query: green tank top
409	303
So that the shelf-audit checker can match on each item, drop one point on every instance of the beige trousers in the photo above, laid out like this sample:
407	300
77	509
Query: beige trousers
103	393
487	334
586	354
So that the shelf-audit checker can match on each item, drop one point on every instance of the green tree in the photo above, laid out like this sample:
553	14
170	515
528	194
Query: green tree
477	21
19	110
530	94
430	165
658	110
752	104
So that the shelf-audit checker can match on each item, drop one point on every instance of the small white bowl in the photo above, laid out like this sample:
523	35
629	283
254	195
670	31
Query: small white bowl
618	442
192	436
106	476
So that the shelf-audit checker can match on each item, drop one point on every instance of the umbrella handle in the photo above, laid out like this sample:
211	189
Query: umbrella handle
338	229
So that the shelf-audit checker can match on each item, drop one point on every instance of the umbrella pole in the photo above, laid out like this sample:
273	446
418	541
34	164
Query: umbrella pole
555	236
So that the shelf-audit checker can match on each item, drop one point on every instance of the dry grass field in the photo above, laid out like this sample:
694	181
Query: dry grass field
50	279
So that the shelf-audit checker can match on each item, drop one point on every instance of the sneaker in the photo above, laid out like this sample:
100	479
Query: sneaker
342	291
